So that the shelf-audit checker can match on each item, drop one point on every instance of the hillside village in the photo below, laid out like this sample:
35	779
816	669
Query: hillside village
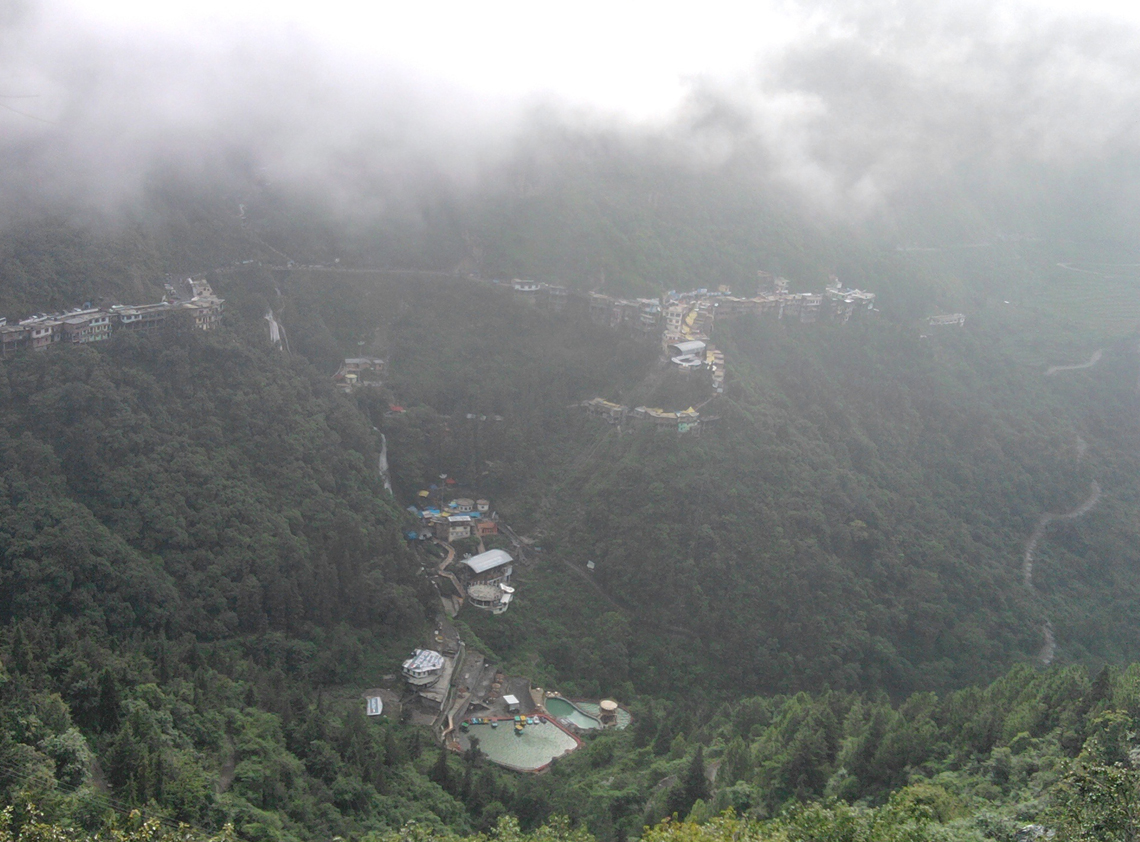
464	698
685	320
190	301
467	700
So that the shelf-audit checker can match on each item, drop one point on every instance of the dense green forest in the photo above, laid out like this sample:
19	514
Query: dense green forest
893	478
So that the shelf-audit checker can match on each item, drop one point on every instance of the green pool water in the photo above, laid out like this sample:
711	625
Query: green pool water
571	713
536	746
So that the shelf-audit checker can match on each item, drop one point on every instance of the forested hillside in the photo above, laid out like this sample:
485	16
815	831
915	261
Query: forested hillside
856	519
201	569
195	543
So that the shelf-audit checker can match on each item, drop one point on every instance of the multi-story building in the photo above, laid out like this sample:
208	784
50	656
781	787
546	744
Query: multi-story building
486	579
845	302
13	338
43	332
143	318
451	527
86	326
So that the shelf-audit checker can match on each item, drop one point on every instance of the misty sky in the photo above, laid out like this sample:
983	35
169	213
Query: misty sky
846	98
637	56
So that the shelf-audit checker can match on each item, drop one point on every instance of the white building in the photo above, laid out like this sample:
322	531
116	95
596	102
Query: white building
423	668
489	568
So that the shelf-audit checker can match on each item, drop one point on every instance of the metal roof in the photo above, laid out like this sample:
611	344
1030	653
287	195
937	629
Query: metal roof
423	659
488	560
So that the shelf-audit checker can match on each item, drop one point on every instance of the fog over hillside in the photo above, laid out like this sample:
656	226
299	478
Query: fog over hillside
851	106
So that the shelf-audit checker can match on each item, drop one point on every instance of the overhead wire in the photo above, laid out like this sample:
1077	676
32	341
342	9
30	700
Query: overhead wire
29	116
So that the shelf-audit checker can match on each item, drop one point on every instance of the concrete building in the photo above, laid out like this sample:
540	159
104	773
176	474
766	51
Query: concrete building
451	527
682	421
86	326
43	332
13	338
611	412
947	320
554	297
424	667
494	598
525	291
845	302
489	568
687	355
144	318
486	578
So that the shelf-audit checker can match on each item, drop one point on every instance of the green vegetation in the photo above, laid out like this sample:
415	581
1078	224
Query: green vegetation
890	479
816	609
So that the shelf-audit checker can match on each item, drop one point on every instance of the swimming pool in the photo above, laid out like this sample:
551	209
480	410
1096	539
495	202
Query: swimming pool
531	749
567	710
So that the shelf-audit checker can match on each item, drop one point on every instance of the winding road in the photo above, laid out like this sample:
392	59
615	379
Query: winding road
1093	360
1043	523
1049	645
1072	268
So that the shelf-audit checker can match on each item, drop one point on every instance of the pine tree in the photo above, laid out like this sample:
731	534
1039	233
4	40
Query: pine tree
439	772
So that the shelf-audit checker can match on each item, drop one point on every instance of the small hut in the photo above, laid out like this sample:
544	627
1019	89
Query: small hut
608	712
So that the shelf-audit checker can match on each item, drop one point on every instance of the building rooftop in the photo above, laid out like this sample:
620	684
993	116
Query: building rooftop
487	561
423	659
484	593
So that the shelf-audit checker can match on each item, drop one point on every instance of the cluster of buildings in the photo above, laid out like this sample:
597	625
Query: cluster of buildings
686	320
360	371
837	303
190	301
664	420
482	580
461	518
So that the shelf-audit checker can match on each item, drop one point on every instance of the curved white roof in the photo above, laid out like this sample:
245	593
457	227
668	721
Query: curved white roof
487	560
690	346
